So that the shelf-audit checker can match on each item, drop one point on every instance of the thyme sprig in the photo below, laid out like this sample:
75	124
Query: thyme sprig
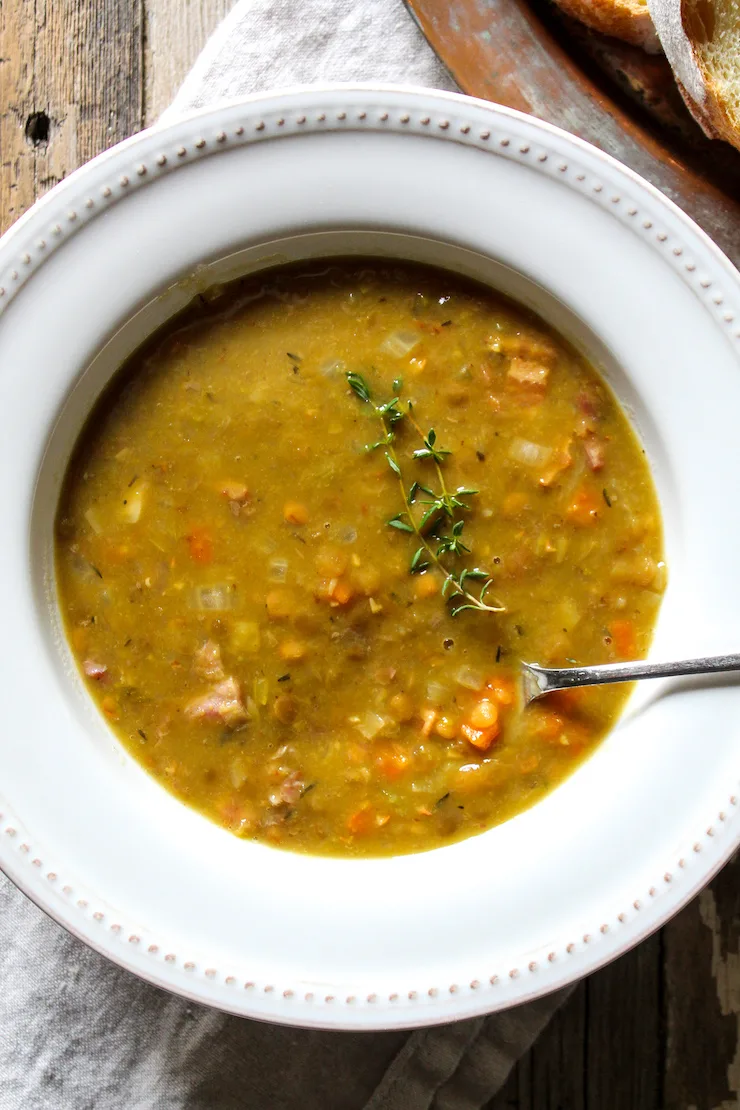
466	587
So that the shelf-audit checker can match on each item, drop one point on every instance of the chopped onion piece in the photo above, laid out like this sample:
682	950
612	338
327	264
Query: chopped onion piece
348	535
400	343
437	693
569	614
278	570
92	519
238	773
261	689
527	453
471	678
215	598
561	546
133	503
370	724
660	581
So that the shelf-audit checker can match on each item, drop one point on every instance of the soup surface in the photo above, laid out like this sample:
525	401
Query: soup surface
310	532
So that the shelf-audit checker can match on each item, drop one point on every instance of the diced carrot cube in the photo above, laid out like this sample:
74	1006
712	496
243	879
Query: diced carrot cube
200	545
362	821
392	762
622	633
480	738
584	508
295	513
342	593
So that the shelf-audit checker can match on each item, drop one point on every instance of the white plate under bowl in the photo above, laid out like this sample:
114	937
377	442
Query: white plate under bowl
547	897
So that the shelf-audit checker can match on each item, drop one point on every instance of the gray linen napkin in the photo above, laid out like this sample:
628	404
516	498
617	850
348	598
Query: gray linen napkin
78	1033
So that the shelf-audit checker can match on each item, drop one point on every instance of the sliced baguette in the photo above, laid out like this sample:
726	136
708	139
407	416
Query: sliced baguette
701	40
624	19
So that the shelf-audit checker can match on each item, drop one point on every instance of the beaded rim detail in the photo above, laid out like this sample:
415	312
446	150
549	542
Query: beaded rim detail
144	159
141	173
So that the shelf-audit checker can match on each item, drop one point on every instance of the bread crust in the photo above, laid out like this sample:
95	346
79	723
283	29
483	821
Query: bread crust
694	81
623	19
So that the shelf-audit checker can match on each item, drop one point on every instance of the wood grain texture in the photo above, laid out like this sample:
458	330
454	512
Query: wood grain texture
702	999
645	86
70	85
624	1055
552	1075
176	31
658	1029
604	1050
536	74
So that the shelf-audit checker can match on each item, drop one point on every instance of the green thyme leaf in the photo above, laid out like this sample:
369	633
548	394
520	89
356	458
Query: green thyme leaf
393	464
358	385
400	524
440	507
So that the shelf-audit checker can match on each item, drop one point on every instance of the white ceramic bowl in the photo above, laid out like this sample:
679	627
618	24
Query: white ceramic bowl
547	897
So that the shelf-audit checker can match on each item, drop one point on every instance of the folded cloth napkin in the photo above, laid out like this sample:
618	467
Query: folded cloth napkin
78	1033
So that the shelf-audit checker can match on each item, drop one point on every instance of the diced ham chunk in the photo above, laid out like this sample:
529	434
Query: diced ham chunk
292	788
588	403
528	372
558	464
537	348
594	448
98	671
223	702
207	660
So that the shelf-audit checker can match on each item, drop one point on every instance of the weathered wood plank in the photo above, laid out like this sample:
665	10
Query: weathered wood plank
603	1051
702	999
70	85
551	1076
625	1031
176	31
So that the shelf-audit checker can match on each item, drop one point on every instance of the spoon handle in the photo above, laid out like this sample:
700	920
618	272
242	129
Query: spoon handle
537	680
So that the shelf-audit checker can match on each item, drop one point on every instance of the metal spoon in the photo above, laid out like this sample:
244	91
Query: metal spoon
537	681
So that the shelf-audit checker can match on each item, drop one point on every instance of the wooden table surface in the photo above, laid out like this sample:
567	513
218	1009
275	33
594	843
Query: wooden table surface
660	1028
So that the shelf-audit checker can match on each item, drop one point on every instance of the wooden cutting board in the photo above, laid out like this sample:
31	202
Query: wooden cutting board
530	57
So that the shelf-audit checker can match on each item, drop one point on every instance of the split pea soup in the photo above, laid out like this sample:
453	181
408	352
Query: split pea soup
313	527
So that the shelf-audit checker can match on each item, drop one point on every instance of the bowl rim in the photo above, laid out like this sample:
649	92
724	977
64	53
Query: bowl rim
21	256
